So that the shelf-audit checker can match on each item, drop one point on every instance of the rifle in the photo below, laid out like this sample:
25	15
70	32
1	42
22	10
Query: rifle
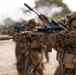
15	28
53	23
55	29
20	35
39	31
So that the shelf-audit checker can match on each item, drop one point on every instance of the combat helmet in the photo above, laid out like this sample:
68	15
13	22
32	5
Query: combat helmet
33	21
71	18
63	22
32	24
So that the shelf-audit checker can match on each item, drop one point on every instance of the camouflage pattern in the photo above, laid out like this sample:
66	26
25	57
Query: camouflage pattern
34	58
70	23
24	54
31	24
22	51
71	16
20	56
61	53
20	44
63	42
63	22
19	49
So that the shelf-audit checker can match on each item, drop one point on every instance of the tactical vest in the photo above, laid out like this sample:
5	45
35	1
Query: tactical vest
69	61
67	58
35	44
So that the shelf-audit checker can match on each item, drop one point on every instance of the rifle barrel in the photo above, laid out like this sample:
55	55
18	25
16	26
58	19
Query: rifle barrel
6	38
30	8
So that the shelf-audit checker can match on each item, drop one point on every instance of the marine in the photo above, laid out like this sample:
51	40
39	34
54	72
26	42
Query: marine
34	59
68	22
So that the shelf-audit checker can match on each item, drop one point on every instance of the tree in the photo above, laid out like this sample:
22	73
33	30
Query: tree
56	8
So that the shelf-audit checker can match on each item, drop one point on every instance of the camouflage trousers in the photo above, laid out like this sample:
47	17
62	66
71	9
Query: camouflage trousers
20	58
31	67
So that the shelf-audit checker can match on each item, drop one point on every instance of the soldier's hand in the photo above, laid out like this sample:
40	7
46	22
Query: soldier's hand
27	34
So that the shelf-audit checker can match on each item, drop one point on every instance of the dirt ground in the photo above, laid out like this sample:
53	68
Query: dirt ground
8	61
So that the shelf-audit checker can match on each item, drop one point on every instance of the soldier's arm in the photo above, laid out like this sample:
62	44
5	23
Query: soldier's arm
63	38
48	40
66	37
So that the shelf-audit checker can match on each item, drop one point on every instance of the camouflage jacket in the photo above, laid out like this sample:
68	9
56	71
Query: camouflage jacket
65	40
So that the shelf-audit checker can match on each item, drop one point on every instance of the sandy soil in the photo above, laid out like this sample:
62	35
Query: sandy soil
8	61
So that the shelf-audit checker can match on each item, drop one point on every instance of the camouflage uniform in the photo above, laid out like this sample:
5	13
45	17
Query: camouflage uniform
20	50
23	50
20	55
34	57
33	62
69	23
20	44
